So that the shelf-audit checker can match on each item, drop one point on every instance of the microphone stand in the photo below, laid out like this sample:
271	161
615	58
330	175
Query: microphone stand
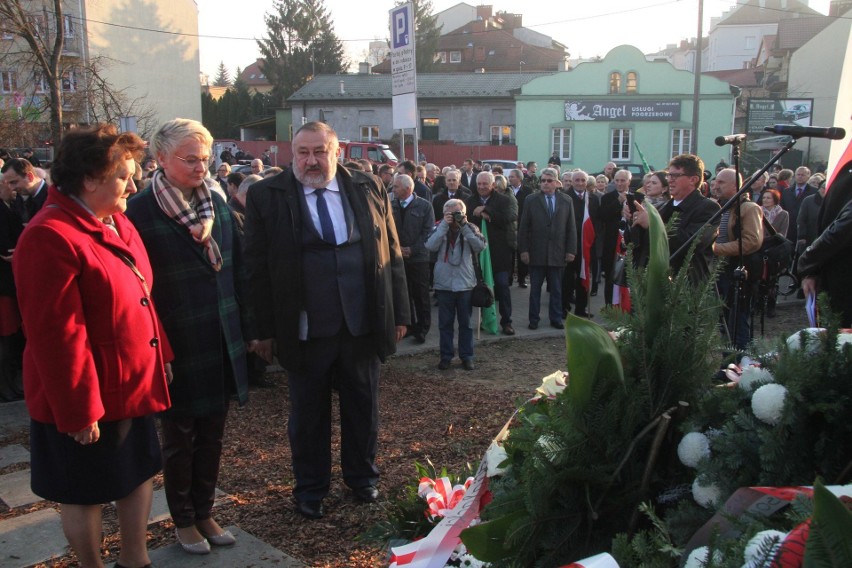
740	274
747	186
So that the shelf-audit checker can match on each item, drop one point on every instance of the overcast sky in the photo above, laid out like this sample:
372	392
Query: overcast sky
586	28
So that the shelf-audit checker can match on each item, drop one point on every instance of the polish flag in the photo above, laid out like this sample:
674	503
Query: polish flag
621	294
588	239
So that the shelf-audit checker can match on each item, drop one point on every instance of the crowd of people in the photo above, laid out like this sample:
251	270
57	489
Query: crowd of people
166	282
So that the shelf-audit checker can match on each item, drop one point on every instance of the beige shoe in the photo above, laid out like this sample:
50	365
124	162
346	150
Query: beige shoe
200	547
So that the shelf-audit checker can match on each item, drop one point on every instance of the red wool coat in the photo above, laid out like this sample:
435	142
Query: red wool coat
95	348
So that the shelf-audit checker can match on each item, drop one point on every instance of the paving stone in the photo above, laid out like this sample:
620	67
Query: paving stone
13	418
31	538
15	489
248	552
160	508
10	455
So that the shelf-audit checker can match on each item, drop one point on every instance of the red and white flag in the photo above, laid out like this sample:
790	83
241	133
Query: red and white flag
621	294
588	239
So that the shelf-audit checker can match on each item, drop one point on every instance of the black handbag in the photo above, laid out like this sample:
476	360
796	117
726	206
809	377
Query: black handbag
482	296
775	254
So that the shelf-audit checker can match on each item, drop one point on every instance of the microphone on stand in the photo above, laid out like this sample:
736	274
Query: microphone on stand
796	131
730	139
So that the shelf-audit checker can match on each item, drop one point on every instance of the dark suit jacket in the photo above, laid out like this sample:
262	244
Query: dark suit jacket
26	210
10	230
501	228
414	227
469	180
274	257
693	211
547	239
791	204
440	199
521	196
610	221
422	190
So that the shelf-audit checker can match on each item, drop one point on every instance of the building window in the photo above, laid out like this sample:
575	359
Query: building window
681	141
37	24
750	42
429	128
620	148
562	143
441	57
68	24
69	81
614	83
455	57
8	81
502	134
369	133
39	82
632	83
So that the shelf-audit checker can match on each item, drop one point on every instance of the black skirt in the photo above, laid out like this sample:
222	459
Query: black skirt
65	471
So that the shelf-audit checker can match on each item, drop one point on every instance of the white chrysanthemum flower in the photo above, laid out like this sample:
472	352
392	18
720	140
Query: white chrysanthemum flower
553	384
495	456
795	340
468	561
699	557
692	448
752	376
767	403
761	540
705	495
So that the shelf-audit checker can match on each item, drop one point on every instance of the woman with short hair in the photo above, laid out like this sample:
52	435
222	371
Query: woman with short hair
95	363
196	255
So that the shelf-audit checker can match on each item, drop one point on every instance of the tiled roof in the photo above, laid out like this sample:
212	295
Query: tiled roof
253	76
793	33
772	12
745	78
429	86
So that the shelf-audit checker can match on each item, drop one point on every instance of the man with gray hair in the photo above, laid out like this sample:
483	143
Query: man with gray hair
414	220
499	213
792	197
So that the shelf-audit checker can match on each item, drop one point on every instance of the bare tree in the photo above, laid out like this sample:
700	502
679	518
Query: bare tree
41	27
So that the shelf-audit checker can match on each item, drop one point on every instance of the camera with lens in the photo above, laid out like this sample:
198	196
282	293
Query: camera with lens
459	218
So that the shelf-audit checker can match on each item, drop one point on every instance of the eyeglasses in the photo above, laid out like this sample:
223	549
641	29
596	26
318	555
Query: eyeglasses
675	175
194	161
548	180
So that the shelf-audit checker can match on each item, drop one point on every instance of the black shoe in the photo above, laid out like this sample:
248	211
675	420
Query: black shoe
593	293
557	325
468	365
533	325
366	494
508	329
420	338
310	509
523	284
444	364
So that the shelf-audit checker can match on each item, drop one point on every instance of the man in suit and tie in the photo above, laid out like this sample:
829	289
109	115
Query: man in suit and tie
520	191
414	222
500	214
454	190
547	240
573	282
791	199
468	175
31	190
409	168
331	301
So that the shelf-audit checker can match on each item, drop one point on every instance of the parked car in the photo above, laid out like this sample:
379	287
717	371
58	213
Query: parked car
505	164
795	112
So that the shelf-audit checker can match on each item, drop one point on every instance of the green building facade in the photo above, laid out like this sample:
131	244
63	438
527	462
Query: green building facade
620	109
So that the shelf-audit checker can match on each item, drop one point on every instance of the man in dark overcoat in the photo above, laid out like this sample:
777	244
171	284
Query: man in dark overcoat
547	240
329	293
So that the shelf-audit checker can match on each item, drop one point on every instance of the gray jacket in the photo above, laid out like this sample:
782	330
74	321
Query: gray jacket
454	265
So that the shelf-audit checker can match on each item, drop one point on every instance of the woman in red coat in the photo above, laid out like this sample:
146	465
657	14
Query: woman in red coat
95	360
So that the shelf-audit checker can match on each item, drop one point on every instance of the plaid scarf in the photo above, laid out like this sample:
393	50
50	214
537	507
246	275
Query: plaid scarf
198	219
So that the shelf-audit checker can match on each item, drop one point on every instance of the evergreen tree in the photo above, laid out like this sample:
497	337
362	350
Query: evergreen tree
223	78
426	34
300	43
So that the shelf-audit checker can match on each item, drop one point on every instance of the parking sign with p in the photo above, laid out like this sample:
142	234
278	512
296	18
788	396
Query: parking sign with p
401	34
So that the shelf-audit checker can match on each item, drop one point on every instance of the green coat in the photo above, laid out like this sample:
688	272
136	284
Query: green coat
203	311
